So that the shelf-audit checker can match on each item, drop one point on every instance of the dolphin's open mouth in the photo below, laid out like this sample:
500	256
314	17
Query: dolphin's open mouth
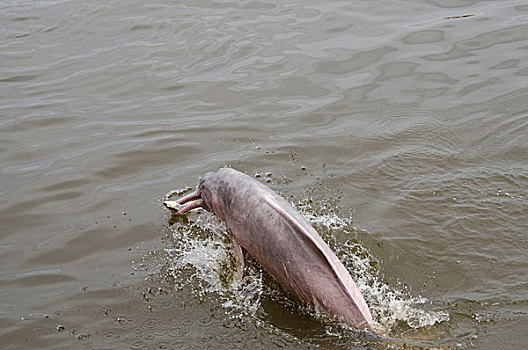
173	205
185	203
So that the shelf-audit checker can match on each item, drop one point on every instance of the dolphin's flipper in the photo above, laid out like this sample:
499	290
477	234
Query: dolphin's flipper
239	260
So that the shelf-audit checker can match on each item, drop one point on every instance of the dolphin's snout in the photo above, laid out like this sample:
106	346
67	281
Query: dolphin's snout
173	205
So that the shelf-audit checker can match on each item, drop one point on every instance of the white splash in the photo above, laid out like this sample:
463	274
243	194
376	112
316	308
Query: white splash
202	257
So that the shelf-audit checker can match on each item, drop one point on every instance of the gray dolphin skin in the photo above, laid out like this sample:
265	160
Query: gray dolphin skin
281	240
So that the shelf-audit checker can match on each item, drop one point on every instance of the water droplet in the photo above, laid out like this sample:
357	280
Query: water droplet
163	345
82	336
138	344
151	323
108	335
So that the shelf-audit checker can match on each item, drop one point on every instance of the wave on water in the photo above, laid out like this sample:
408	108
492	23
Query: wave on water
201	256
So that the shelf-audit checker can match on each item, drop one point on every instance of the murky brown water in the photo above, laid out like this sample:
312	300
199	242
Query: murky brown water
399	128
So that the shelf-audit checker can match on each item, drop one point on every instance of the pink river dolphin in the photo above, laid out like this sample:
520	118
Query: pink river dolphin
281	240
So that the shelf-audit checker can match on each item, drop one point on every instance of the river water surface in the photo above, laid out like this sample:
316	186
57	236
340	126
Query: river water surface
399	128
